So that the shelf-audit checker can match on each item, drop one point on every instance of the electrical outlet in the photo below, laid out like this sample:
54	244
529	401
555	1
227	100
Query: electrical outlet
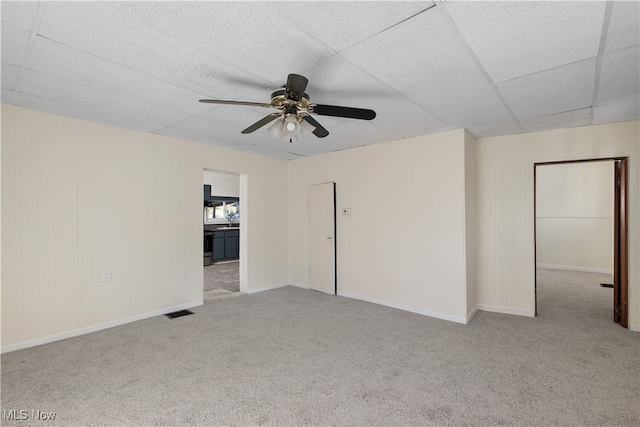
106	275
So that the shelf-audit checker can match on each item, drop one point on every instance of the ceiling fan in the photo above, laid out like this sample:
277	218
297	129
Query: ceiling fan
295	111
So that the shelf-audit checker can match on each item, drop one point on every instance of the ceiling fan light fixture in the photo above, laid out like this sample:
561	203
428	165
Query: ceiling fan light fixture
277	128
291	123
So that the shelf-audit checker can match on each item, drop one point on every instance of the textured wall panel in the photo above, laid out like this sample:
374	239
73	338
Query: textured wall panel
513	234
505	206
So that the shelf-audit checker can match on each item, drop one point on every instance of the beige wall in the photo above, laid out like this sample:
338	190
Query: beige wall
574	216
506	213
404	243
222	183
79	197
471	222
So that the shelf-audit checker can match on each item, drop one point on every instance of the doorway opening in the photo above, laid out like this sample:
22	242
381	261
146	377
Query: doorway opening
581	239
222	234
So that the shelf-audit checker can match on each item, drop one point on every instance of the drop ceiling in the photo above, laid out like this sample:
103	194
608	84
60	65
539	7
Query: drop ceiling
493	68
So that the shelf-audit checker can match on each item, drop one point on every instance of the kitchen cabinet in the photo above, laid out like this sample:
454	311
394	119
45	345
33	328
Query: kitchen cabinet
218	246
226	245
231	244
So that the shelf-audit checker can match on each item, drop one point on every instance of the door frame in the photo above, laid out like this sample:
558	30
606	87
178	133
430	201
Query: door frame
620	233
335	233
243	260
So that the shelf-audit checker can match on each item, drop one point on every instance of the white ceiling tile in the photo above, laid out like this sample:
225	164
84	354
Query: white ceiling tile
364	132
235	32
561	120
566	88
234	115
624	26
7	96
410	121
299	147
10	74
144	65
271	152
508	128
86	113
18	14
213	136
69	93
617	112
331	142
118	38
337	81
341	25
619	76
14	44
513	39
187	135
63	62
204	126
477	108
422	58
221	134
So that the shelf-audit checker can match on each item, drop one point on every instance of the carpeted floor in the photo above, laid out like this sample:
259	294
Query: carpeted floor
295	357
221	280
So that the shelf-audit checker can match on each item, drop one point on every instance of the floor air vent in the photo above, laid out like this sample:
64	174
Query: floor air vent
606	285
179	314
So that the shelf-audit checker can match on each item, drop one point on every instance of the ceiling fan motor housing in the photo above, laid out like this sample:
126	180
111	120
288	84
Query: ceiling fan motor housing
279	99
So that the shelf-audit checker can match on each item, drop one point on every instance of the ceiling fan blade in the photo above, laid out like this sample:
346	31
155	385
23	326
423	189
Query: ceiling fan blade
348	112
320	132
257	125
220	101
296	85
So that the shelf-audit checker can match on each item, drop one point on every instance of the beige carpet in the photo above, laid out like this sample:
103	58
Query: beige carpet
296	357
221	280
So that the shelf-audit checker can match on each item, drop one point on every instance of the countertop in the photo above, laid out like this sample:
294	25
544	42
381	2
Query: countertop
216	227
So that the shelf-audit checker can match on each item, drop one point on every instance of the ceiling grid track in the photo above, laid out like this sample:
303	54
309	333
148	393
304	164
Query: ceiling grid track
401	22
603	43
42	8
476	60
434	7
400	94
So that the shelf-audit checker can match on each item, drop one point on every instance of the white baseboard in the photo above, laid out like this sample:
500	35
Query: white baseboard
299	285
634	328
506	310
98	327
472	313
404	307
575	268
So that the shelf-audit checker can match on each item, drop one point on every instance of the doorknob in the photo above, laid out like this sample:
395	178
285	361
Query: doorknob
329	238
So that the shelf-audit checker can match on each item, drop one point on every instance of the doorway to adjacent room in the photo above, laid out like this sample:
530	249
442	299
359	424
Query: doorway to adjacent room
581	239
222	213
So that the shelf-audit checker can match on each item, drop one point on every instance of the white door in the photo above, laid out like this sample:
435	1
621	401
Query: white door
322	247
